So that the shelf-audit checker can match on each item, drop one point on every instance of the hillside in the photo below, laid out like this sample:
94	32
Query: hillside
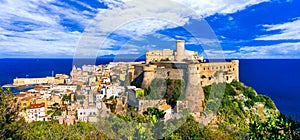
241	114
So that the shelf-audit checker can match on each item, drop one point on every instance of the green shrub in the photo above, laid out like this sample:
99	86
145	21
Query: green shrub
249	103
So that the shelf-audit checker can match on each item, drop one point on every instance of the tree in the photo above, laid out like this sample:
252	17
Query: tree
10	122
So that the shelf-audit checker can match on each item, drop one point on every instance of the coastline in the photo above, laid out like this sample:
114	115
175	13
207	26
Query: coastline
253	72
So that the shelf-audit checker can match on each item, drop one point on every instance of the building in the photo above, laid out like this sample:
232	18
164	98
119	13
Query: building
88	114
37	112
179	55
187	66
64	87
88	68
38	81
167	109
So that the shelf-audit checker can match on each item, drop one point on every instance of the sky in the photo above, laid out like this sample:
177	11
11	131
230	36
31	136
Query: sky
242	29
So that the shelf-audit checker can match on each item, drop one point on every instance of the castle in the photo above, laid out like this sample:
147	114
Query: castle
170	55
181	64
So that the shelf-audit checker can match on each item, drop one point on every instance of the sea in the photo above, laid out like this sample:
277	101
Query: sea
276	78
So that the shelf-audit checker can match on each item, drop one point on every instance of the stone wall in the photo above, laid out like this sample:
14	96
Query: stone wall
158	55
144	104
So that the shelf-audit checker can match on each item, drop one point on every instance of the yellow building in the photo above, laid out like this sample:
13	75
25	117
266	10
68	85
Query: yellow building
37	81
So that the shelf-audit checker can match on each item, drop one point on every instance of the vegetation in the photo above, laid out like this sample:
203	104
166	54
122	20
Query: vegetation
167	59
279	127
240	114
53	130
66	98
168	89
192	130
10	123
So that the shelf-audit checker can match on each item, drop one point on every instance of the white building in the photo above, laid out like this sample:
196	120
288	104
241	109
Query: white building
88	114
167	109
65	87
36	112
114	91
88	68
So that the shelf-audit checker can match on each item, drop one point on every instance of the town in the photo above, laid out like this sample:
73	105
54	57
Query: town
111	88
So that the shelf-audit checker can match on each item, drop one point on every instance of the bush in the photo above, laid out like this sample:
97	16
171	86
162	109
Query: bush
249	103
249	92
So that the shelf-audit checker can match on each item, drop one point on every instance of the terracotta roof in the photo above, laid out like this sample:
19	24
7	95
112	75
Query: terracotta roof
21	95
164	107
23	92
37	105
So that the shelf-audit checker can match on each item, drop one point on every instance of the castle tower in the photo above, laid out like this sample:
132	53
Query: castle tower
194	92
235	69
179	50
148	76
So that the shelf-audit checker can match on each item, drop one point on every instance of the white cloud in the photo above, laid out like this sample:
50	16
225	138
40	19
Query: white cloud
277	51
176	11
134	18
287	31
35	27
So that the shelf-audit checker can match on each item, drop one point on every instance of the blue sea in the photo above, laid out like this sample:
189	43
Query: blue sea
277	78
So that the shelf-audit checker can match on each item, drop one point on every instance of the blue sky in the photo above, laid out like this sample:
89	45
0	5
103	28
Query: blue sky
63	28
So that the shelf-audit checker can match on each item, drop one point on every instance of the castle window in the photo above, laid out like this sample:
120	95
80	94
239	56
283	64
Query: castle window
233	69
